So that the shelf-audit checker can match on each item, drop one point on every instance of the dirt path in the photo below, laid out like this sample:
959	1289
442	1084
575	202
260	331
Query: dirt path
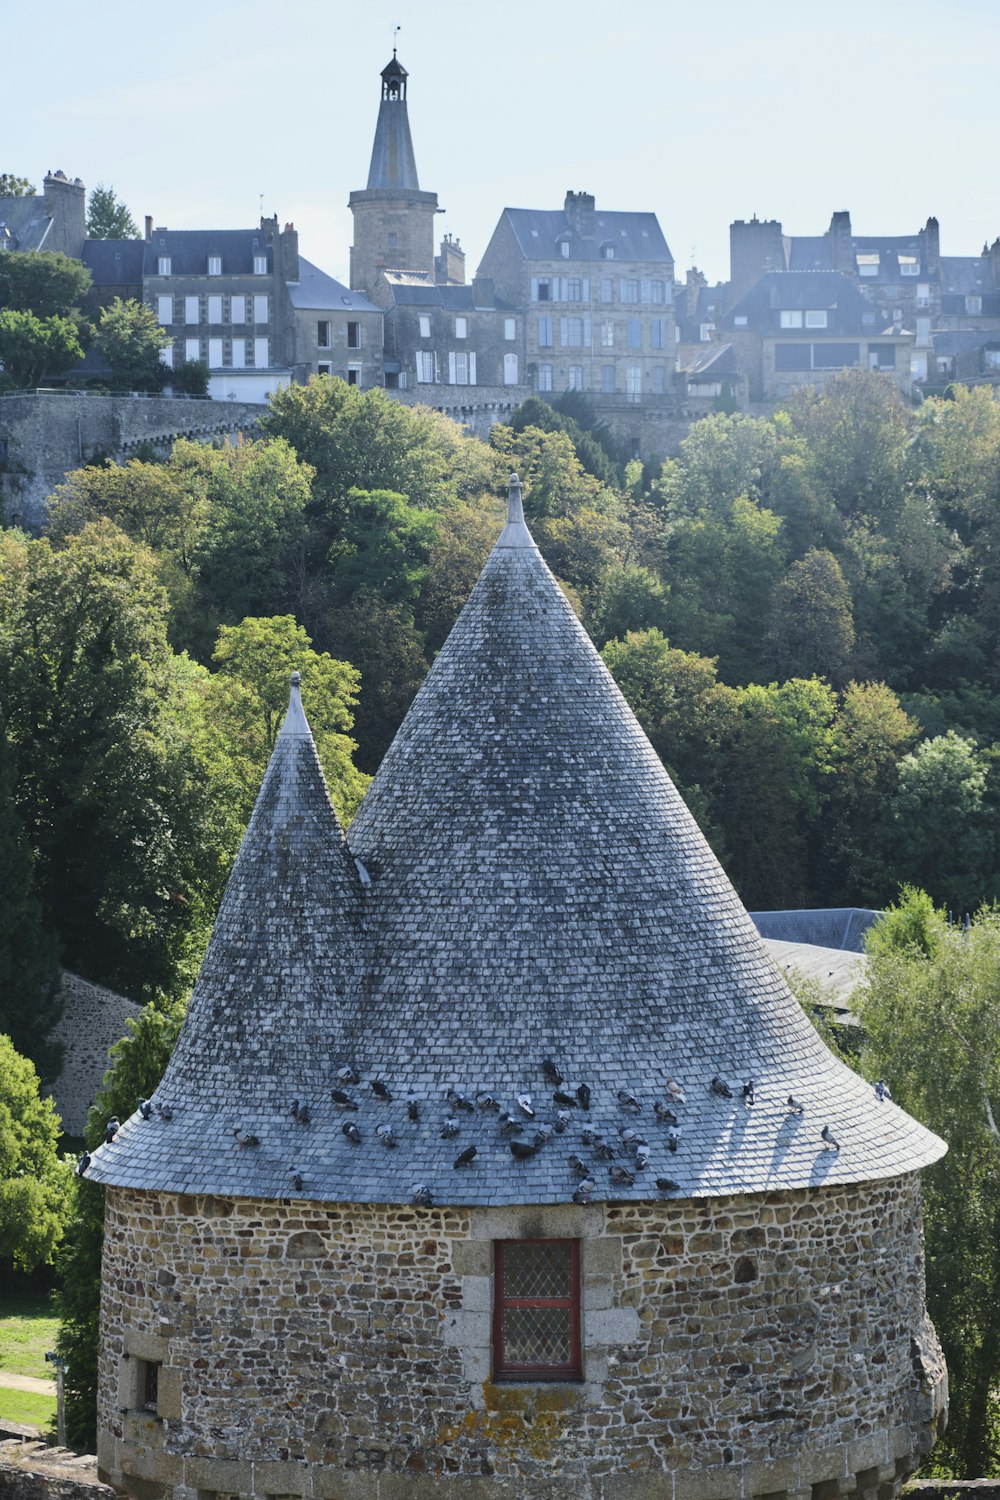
27	1383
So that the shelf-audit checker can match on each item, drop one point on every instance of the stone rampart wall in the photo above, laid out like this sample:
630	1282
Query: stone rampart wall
45	435
93	1019
732	1347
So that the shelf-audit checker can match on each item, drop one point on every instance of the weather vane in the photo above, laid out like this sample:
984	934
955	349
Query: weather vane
395	33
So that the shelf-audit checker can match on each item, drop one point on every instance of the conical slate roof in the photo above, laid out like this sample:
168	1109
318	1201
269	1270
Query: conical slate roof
393	164
539	890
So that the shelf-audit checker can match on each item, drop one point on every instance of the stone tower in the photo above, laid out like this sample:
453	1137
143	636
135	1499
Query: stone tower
495	1157
393	219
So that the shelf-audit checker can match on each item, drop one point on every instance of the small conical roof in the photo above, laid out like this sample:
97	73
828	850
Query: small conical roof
268	1012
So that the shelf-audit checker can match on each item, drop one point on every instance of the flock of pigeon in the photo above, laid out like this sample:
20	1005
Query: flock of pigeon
519	1126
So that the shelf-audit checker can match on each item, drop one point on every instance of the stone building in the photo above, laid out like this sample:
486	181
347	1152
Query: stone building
495	1158
796	328
246	303
55	219
597	289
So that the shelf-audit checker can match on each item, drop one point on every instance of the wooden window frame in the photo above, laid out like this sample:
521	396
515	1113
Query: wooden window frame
502	1369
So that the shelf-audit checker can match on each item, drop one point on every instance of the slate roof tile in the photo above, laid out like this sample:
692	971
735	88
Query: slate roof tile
538	889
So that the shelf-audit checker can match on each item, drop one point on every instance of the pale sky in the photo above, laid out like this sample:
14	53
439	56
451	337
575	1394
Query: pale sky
700	112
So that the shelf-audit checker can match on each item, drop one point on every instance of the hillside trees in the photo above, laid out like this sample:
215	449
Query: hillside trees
33	1180
103	782
30	1002
932	1021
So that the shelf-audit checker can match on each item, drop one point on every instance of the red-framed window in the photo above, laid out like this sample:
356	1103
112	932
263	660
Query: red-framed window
536	1310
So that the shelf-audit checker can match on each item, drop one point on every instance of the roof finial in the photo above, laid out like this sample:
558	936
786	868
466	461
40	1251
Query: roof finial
295	719
515	533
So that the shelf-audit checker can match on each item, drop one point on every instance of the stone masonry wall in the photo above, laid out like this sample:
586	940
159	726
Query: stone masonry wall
43	436
734	1347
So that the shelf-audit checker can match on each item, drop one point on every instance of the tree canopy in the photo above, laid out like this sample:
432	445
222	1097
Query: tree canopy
130	339
931	1014
33	1180
107	218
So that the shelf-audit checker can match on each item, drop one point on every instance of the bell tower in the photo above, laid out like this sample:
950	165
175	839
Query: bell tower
393	219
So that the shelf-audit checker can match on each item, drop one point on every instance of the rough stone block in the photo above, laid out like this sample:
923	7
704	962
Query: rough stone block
616	1325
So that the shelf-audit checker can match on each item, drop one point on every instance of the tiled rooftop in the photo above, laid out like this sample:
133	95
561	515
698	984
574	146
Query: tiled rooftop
537	890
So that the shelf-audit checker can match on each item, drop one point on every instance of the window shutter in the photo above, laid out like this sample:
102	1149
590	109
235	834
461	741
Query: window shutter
534	288
586	333
451	368
472	369
586	289
564	331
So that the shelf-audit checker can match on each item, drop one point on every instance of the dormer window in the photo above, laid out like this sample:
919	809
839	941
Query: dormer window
817	318
215	265
909	265
790	317
564	249
607	252
163	265
260	265
867	264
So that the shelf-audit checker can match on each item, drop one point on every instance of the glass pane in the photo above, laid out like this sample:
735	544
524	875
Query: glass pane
537	1269
536	1336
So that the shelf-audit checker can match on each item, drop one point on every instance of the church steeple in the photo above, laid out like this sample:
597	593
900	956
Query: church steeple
393	219
393	163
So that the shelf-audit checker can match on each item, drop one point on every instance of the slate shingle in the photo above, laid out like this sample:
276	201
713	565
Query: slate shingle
538	889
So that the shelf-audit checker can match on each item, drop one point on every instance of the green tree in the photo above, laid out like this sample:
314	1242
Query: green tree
629	598
15	187
33	1181
107	218
859	435
382	547
30	1001
944	839
874	734
382	643
190	378
246	699
812	629
677	699
111	801
138	1062
31	347
464	534
931	1015
357	439
130	339
44	282
250	501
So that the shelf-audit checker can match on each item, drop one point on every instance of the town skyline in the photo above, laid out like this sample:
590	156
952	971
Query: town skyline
224	114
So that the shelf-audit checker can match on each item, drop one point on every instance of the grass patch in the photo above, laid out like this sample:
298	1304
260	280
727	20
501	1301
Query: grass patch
27	1408
27	1329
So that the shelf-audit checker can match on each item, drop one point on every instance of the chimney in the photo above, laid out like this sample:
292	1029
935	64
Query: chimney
932	247
65	203
449	266
288	253
995	264
149	226
579	209
840	236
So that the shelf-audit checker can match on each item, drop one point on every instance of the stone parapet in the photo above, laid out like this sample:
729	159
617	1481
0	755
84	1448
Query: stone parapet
45	434
737	1347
